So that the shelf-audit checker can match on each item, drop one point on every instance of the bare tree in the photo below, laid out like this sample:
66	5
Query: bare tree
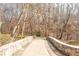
67	19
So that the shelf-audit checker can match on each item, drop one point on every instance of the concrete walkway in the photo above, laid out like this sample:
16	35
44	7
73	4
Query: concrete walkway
36	48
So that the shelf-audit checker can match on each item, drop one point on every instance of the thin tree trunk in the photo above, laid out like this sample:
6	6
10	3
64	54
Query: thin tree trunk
16	27
63	29
0	26
24	25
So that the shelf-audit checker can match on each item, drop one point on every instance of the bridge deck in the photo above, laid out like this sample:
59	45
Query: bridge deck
36	48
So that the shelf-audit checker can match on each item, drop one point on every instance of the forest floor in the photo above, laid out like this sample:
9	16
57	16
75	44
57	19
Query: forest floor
75	43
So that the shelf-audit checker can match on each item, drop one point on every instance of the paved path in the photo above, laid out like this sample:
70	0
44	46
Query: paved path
36	48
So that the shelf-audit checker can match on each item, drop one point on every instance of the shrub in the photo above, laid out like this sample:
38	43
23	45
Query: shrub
18	37
38	33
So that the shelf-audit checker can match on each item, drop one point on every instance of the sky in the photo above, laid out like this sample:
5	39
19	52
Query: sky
10	9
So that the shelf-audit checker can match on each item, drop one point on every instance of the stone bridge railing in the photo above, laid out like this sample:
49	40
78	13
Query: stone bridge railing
9	49
64	48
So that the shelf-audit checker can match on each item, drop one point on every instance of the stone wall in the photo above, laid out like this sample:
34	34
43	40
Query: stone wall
64	48
9	49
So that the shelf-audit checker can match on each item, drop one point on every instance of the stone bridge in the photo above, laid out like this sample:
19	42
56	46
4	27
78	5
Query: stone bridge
31	46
